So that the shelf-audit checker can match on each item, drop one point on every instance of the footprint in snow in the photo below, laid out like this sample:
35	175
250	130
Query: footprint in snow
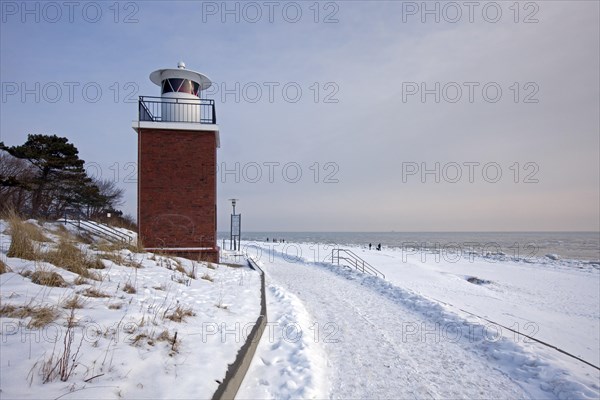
265	361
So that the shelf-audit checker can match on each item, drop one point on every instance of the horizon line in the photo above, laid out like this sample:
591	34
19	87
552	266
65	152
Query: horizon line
556	231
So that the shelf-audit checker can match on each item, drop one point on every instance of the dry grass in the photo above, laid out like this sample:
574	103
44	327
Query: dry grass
120	260
31	230
87	239
142	337
207	277
73	302
115	306
94	275
4	268
7	310
134	248
48	278
40	315
35	233
211	266
21	244
70	257
65	235
128	288
190	274
168	262
172	340
61	231
137	246
181	279
164	337
132	263
112	256
80	280
151	339
193	273
109	247
180	313
93	292
63	364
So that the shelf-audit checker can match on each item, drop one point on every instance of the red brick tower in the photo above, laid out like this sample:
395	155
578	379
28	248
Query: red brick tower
178	139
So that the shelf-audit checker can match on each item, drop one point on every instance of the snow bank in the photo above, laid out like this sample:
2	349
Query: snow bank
287	364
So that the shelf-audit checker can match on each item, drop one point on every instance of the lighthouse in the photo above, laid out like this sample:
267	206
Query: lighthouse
178	137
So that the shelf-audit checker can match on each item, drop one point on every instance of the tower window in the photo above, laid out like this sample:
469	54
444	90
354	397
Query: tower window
181	86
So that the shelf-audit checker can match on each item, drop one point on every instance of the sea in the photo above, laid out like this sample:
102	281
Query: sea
577	246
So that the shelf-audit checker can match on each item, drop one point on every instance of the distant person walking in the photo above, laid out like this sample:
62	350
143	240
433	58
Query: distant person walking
379	247
370	246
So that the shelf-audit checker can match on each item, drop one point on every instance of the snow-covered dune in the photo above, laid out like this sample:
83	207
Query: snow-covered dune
144	326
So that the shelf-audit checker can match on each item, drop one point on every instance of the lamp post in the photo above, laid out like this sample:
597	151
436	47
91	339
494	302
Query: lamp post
235	227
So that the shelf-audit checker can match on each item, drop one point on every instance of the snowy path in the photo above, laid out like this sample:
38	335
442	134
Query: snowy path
371	354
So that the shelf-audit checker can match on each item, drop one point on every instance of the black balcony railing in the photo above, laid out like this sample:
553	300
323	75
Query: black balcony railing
164	109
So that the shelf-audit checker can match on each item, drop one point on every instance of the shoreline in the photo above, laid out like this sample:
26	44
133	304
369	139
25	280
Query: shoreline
573	249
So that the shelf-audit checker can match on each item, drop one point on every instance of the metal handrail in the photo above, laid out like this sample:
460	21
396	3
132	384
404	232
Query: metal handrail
355	261
96	228
202	111
106	230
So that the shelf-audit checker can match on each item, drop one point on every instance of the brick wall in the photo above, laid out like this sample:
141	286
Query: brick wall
177	188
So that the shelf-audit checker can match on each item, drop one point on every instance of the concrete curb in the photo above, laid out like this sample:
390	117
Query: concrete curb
237	371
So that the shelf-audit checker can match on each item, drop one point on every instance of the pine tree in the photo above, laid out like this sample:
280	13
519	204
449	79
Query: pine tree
61	180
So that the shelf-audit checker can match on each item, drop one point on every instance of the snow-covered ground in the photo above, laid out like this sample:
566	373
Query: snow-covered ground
414	334
157	333
433	328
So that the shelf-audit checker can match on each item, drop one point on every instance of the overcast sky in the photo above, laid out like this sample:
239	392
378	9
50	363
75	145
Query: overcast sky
330	112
